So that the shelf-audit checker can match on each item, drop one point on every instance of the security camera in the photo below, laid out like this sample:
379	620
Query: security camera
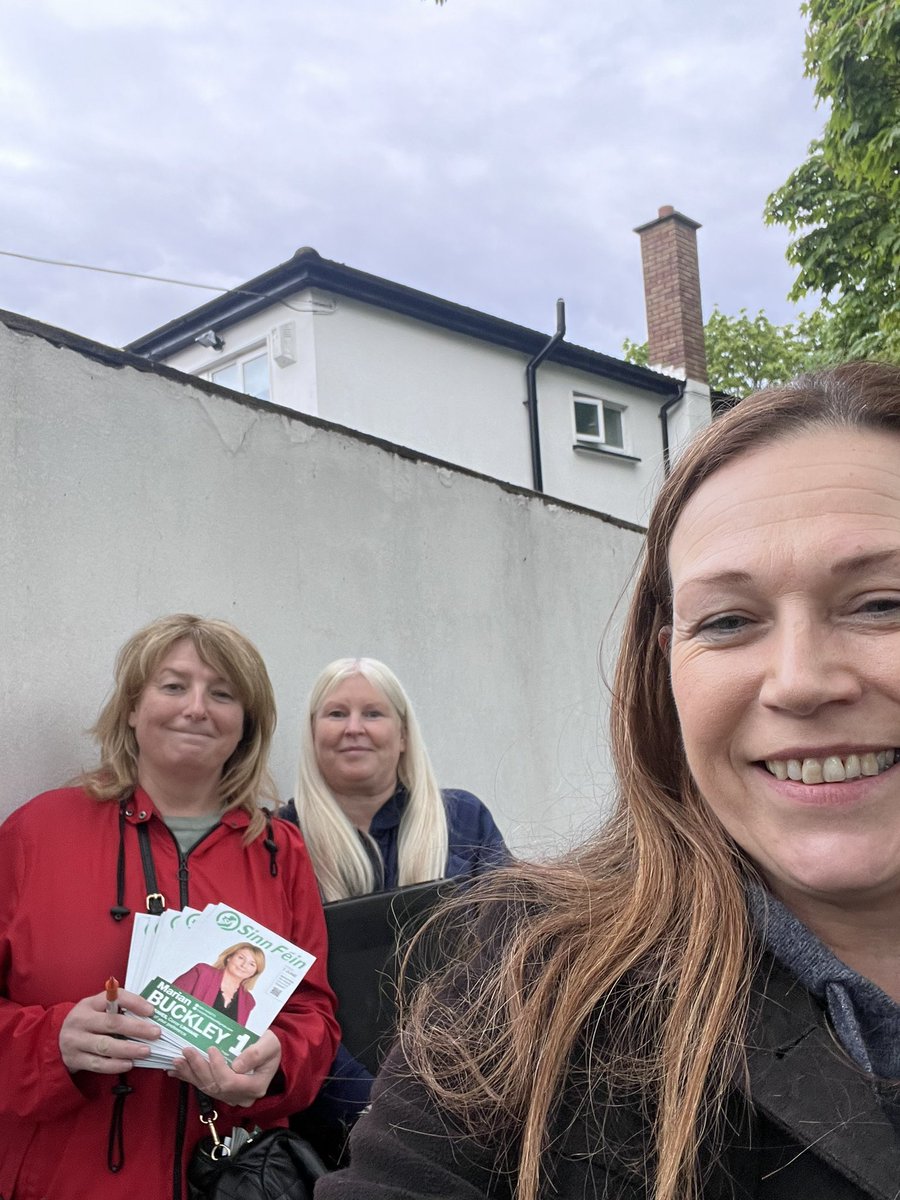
211	340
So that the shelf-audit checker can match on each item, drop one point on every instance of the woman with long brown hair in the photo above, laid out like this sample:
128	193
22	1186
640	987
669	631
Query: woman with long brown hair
703	1000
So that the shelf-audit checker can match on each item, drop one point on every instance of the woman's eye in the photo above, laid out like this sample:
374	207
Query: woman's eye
223	694
881	606
728	623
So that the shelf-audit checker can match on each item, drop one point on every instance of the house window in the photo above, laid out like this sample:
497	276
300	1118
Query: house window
598	423
249	373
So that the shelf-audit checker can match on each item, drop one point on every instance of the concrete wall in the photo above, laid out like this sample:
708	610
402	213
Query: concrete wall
128	493
451	396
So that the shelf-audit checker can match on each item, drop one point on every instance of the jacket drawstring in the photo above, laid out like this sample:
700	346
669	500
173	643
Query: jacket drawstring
271	845
115	1150
118	912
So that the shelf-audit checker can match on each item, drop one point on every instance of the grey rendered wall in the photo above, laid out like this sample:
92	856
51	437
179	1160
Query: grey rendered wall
125	495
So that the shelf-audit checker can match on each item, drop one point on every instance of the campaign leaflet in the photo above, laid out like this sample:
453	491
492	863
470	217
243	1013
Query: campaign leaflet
215	978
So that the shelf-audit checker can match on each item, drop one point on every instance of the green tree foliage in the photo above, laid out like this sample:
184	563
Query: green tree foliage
745	353
635	352
843	202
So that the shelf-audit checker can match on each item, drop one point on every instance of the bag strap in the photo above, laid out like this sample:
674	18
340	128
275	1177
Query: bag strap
156	901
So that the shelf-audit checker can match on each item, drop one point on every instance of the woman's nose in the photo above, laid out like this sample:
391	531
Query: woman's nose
195	702
809	665
354	722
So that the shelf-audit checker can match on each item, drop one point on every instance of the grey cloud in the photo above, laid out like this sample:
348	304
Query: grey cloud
495	153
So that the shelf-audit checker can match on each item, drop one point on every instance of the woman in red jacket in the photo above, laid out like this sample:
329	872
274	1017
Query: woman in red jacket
184	742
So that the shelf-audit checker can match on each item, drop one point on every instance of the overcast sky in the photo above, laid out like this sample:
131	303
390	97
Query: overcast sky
496	153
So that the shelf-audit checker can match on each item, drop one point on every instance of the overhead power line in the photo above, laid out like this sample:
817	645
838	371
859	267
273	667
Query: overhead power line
208	287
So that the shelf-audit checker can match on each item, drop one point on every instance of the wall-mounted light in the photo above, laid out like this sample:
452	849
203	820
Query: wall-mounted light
210	339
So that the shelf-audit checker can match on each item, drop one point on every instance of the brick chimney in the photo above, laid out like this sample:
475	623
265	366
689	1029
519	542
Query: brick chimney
672	295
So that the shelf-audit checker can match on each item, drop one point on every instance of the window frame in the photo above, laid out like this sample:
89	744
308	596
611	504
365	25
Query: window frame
240	359
599	441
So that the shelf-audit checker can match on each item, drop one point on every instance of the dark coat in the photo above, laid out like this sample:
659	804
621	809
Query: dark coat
813	1130
474	842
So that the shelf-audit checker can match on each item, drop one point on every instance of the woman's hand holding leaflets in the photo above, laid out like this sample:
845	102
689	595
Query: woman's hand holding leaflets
239	1085
91	1037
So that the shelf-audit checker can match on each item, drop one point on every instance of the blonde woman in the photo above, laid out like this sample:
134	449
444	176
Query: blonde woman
367	801
374	818
704	1001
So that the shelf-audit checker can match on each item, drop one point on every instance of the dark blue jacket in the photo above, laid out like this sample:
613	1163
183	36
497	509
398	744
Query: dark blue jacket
474	841
474	845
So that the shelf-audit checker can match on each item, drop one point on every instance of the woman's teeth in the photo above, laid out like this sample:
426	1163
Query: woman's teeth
831	769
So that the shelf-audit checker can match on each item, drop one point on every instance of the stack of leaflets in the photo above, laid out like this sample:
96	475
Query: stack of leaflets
216	978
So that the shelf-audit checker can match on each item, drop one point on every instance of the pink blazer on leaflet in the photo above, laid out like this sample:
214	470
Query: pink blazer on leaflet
205	982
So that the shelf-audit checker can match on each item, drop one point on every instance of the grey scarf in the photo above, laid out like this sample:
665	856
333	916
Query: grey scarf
865	1019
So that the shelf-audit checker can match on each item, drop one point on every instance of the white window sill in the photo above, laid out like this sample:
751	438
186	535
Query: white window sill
606	451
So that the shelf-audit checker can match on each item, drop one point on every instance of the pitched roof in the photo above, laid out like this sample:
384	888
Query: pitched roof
307	269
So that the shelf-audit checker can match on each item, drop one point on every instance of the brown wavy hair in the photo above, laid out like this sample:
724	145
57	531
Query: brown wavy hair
245	780
623	969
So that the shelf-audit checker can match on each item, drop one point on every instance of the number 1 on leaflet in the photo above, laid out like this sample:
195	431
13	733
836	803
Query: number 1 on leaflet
239	1044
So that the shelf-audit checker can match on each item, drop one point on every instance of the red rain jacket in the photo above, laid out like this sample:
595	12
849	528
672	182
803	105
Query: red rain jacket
58	944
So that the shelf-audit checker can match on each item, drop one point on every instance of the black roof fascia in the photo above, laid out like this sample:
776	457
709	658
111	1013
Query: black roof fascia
307	269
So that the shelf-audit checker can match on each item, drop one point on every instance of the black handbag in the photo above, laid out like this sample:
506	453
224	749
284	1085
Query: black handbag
275	1164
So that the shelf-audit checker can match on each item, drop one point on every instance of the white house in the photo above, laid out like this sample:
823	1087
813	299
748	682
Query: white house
320	338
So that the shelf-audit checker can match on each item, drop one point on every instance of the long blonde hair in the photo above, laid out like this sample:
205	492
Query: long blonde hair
245	777
342	866
625	968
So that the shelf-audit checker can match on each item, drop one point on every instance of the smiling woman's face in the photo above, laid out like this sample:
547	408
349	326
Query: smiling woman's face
187	722
358	739
241	964
785	660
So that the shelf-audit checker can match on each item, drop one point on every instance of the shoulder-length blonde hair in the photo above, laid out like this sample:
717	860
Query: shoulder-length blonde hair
342	866
649	918
258	957
245	777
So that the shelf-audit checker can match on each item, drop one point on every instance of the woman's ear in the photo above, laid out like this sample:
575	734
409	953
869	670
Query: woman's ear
664	639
